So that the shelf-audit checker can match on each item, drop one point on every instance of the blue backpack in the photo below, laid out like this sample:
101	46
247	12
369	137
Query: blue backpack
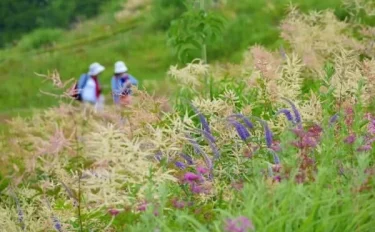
79	85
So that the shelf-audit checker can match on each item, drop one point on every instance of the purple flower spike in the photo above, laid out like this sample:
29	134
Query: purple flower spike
245	120
180	165
268	134
276	158
202	119
20	213
57	224
287	114
198	150
188	158
158	156
241	130
240	224
211	142
297	115
333	119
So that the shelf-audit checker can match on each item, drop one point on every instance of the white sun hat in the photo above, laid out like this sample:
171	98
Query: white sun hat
95	69
120	67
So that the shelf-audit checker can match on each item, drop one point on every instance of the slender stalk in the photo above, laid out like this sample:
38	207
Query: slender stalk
79	203
79	177
204	47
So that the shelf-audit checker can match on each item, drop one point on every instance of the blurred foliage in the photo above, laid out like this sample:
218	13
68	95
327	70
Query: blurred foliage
164	11
40	38
193	30
22	16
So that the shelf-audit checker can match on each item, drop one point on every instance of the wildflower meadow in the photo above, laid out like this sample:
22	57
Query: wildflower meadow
281	141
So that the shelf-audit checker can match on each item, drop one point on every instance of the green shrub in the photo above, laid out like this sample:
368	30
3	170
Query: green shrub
165	11
40	38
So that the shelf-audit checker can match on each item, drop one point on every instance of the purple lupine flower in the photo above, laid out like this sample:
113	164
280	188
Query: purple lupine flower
268	134
297	115
208	136
198	150
196	147
241	130
276	159
20	213
202	119
246	121
55	220
57	224
287	114
180	165
158	156
240	224
350	139
333	119
212	144
188	158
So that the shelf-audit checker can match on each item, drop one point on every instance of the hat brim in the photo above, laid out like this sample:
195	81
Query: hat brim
99	70
118	71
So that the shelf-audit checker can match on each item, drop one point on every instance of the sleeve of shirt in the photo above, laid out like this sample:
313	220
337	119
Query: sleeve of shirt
115	91
133	80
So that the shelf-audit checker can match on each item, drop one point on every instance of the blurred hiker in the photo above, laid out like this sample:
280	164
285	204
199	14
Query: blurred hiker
121	84
88	87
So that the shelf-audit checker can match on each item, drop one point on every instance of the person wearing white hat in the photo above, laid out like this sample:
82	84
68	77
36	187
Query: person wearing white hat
91	90
121	84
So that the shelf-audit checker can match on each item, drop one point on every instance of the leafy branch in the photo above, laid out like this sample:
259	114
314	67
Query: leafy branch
193	30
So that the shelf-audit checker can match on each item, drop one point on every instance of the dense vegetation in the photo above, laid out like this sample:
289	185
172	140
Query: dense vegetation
280	139
136	33
19	17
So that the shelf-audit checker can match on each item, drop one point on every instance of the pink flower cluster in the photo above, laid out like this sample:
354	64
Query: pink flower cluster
197	182
240	224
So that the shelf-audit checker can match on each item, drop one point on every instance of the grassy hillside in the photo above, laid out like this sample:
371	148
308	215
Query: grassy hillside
138	38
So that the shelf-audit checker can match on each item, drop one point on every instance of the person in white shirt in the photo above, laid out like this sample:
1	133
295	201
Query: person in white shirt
91	91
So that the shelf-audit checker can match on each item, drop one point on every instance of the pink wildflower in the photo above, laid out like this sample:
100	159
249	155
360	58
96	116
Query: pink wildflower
196	188
240	224
178	204
142	207
364	148
191	177
202	170
238	185
277	179
113	212
276	146
371	127
276	168
350	139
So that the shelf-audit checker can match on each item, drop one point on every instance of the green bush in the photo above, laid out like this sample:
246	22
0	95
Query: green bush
165	11
40	38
